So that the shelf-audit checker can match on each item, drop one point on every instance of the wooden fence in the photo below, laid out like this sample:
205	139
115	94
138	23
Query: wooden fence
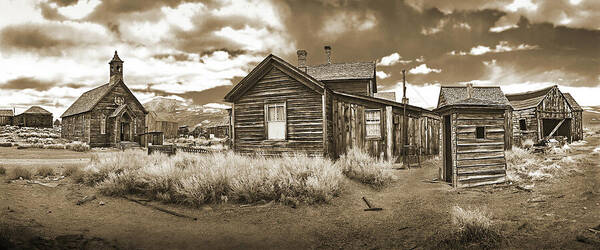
172	149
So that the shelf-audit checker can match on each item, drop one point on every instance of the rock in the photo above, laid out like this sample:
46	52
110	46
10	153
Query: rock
101	203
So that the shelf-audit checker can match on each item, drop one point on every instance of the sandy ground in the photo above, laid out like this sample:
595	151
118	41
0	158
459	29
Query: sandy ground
416	214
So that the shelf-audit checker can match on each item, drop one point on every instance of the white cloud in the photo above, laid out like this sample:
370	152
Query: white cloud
521	4
424	96
423	69
433	30
382	75
79	10
182	15
465	26
216	106
390	60
502	46
343	21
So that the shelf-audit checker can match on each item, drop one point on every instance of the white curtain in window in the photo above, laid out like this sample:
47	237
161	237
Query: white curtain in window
276	121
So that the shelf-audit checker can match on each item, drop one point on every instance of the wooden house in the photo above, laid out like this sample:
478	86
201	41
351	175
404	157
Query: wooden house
476	122
106	115
56	123
35	116
6	117
323	110
546	113
162	122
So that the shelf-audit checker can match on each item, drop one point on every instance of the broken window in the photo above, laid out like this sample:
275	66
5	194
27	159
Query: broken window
522	124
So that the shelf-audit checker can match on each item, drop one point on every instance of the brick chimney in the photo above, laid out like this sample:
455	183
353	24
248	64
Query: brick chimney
302	59
328	53
469	90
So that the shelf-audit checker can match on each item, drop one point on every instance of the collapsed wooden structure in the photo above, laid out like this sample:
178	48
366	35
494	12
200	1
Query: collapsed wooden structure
324	110
544	114
476	122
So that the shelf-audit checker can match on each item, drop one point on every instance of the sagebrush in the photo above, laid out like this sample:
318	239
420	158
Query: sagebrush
219	177
19	172
472	226
45	171
357	164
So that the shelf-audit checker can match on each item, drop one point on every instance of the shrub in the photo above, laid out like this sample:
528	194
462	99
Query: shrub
198	179
5	144
2	170
71	170
54	146
20	172
359	165
45	171
473	226
78	146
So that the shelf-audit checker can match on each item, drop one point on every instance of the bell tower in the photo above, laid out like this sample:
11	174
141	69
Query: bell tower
116	66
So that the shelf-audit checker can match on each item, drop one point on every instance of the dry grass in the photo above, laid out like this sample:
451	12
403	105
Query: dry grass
472	227
359	165
78	146
2	170
19	172
72	171
45	171
198	179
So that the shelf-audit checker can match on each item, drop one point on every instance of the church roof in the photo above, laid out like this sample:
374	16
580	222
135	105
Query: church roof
116	58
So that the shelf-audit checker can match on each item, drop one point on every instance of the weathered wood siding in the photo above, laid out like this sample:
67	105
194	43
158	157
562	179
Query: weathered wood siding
76	127
531	132
6	120
33	120
355	87
350	130
303	110
554	105
478	161
577	126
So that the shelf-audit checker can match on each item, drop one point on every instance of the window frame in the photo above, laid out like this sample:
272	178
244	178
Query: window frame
483	133
102	124
275	103
522	124
367	136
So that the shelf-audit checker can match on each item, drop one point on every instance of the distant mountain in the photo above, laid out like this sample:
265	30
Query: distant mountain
189	114
591	116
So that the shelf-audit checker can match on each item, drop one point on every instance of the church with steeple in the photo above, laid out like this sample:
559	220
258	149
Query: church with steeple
108	115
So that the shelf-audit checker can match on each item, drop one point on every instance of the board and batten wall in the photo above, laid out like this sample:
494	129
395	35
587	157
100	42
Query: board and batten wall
476	161
304	117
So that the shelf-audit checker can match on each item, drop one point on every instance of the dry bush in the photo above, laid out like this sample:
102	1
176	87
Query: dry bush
195	179
528	143
45	171
55	146
5	144
78	146
27	146
72	171
19	172
472	227
357	164
2	170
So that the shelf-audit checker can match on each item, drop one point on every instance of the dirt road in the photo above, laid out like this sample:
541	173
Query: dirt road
415	214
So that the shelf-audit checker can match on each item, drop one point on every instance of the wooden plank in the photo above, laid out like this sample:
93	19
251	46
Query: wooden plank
389	123
484	182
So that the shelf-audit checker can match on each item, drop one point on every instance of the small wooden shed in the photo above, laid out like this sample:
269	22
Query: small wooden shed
546	113
474	122
35	116
162	122
6	116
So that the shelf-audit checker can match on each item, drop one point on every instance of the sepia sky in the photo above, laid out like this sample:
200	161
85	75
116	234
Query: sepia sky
52	51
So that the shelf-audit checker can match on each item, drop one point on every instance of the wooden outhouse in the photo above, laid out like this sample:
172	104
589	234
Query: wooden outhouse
106	115
323	110
473	135
6	117
546	113
35	116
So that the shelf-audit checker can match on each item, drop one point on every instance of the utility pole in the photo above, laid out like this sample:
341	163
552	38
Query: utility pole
404	121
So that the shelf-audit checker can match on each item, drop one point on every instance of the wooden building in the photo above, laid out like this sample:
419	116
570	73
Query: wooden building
162	122
35	116
476	122
6	117
106	115
323	110
56	123
546	113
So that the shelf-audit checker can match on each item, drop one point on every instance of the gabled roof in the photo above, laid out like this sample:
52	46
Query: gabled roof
37	110
382	101
263	67
528	99
6	112
88	100
342	71
574	105
116	58
481	96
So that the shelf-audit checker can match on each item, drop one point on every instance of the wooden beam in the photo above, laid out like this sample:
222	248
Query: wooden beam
324	109
389	124
555	129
